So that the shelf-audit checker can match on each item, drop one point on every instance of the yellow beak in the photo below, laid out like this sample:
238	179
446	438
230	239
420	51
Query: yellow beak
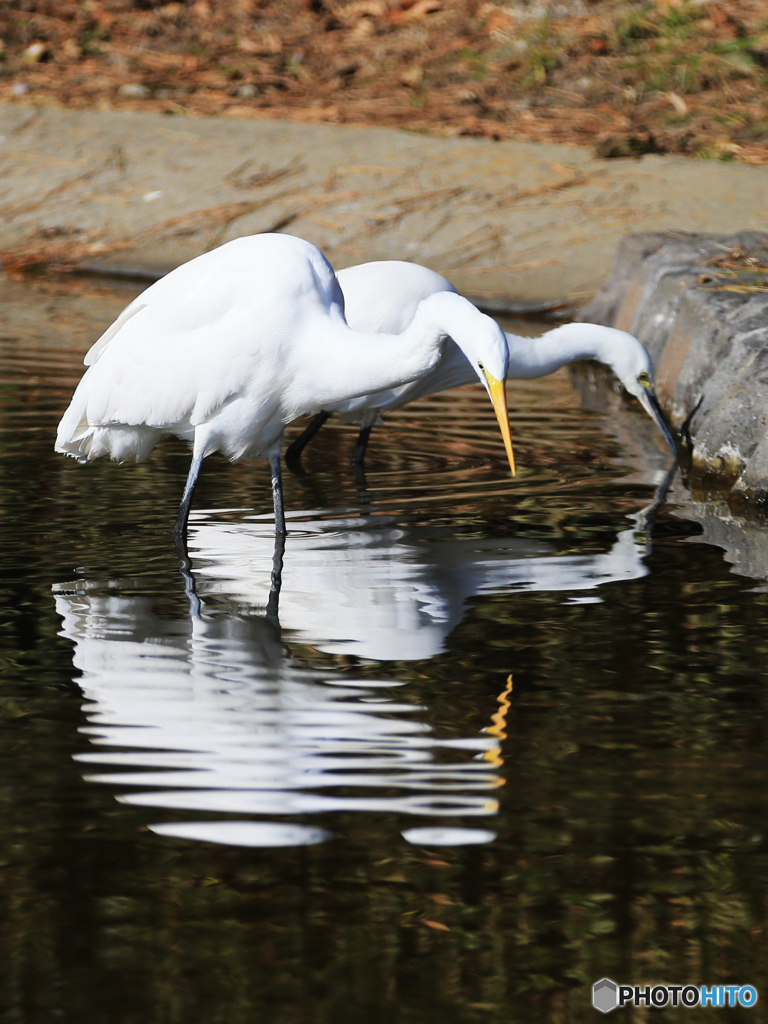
499	399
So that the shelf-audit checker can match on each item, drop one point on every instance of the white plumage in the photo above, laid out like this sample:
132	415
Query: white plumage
384	296
230	347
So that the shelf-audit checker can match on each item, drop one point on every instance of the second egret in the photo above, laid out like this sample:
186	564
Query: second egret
384	296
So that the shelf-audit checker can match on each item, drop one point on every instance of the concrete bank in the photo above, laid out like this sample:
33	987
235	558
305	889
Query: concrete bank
512	222
700	305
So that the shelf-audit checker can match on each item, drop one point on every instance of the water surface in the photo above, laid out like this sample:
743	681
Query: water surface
505	738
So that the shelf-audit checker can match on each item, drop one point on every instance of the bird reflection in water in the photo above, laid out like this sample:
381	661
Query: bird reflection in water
212	713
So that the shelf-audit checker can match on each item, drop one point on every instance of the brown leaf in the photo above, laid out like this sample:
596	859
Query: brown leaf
414	12
160	61
413	77
681	107
597	45
442	899
437	925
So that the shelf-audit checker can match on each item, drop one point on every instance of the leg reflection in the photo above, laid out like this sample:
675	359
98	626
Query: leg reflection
190	588
646	517
190	585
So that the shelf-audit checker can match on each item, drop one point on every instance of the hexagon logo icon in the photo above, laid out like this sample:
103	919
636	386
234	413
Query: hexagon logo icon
605	995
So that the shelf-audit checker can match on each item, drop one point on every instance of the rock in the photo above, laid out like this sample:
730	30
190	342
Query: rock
134	91
699	303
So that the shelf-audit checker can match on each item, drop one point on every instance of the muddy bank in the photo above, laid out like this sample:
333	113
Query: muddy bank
508	222
700	305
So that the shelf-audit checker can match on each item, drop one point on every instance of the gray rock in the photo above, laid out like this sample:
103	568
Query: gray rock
708	342
134	91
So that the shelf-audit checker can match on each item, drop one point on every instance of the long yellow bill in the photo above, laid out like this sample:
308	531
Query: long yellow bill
499	399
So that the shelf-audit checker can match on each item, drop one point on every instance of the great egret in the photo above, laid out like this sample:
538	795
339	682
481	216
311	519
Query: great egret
230	347
385	295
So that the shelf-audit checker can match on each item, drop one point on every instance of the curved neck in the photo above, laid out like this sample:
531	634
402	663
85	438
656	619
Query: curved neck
346	364
538	357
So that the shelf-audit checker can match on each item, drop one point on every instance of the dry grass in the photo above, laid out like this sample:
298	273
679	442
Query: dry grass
625	76
738	270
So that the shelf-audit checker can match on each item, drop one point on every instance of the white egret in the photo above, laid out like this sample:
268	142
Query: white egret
384	296
230	347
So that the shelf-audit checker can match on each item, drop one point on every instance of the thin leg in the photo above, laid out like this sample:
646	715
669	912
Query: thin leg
190	589
180	528
685	430
277	493
358	469
362	443
296	447
276	580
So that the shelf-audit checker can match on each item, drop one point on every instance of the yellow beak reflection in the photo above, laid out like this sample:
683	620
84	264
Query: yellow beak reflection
499	399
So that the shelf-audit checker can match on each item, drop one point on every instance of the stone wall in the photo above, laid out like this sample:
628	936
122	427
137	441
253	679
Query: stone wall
699	303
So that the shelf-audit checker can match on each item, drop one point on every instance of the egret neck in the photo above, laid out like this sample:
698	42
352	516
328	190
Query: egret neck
620	351
346	363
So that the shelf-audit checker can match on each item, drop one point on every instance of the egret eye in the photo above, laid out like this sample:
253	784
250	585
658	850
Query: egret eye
644	380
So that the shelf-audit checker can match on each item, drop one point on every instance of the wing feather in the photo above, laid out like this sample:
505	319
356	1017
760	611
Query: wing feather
212	330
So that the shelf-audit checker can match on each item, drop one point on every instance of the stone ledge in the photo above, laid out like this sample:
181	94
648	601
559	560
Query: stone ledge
510	223
707	331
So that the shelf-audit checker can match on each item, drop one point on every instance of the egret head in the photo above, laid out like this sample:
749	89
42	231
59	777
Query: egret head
629	360
485	346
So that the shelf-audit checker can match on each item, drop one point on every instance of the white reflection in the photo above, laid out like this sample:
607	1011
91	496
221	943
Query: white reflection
211	713
386	592
244	833
448	836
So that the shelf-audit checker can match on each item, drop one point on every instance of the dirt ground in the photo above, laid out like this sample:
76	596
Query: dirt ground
622	76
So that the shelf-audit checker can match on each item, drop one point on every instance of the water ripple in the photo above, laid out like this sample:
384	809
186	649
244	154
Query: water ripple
212	713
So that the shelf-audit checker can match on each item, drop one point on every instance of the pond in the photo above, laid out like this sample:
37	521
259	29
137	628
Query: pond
505	737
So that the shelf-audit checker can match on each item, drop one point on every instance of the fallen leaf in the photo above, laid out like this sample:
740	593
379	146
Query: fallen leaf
419	10
33	53
413	77
442	899
597	45
678	103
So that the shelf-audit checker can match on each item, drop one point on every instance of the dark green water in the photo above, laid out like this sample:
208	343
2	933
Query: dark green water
509	662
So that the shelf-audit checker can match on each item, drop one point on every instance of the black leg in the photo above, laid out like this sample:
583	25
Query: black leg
195	606
646	519
276	580
358	468
296	447
685	430
362	443
180	529
277	493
